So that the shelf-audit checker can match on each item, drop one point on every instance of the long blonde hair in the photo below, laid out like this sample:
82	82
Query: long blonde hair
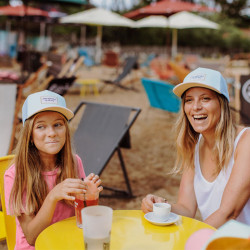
186	138
28	176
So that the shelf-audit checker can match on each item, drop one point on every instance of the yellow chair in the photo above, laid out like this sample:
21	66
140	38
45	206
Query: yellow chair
10	223
2	227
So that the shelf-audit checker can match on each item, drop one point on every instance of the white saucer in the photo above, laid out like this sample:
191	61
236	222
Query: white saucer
173	218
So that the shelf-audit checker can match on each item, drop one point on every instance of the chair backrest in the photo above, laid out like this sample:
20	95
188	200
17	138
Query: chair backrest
180	71
57	61
61	85
100	132
160	95
34	82
10	223
88	60
75	66
147	61
7	110
65	69
130	63
111	58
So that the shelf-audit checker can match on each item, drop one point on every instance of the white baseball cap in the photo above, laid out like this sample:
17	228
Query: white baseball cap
45	101
206	78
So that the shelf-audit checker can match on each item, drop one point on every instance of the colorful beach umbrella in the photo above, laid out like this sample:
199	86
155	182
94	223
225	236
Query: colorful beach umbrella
98	17
167	8
181	20
21	11
78	2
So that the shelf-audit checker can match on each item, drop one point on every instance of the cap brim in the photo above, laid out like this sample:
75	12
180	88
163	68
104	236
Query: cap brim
182	87
64	111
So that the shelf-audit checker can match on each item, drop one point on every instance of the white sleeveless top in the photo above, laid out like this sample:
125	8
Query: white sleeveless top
209	194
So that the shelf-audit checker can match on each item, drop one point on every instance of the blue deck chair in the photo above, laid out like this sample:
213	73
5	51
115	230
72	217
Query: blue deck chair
149	58
160	95
88	60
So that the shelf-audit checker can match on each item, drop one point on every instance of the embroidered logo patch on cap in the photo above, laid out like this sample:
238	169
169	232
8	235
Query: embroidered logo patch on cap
198	78
203	77
48	100
45	101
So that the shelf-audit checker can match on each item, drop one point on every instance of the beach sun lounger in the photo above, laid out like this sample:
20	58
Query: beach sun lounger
160	95
129	64
103	129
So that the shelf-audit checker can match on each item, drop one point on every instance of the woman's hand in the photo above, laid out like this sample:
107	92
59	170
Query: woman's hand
148	201
67	188
32	225
93	183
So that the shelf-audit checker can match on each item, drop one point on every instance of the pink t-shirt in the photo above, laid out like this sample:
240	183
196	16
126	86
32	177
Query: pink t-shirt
62	210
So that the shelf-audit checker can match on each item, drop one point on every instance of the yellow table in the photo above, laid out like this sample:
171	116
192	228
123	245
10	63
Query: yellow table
86	84
129	231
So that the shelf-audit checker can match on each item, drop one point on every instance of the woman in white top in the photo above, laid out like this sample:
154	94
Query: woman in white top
213	153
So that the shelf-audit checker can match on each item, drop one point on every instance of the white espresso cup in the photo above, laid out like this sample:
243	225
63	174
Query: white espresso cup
161	210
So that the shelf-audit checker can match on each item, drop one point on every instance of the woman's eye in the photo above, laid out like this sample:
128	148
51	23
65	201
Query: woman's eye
40	127
58	125
187	100
206	98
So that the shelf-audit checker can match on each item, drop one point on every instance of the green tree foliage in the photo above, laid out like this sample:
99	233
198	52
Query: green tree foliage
231	9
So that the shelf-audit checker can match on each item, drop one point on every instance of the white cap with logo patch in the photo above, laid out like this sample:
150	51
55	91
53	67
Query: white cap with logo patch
45	101
205	78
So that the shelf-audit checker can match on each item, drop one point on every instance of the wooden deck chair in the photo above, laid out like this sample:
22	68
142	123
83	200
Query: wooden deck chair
56	63
180	71
75	67
8	108
22	91
61	85
129	64
160	67
160	95
111	59
35	81
103	129
66	68
9	221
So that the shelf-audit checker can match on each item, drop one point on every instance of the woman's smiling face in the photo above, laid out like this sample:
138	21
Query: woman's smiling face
49	132
202	109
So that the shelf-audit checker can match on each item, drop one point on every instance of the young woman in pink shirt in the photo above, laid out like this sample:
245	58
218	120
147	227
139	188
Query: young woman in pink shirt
41	185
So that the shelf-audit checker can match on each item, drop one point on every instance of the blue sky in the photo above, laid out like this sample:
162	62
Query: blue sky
107	4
